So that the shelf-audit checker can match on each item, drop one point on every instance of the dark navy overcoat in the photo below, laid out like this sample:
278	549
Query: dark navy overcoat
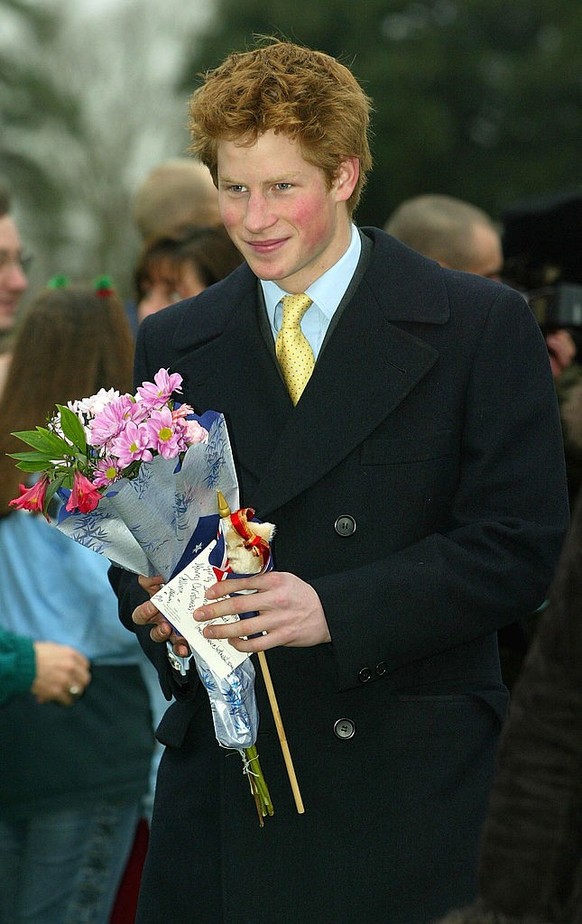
419	487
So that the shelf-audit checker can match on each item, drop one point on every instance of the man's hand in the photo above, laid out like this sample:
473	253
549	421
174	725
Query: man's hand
62	673
288	612
148	614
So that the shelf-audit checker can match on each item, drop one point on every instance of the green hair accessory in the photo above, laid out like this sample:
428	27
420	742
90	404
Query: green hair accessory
60	281
103	286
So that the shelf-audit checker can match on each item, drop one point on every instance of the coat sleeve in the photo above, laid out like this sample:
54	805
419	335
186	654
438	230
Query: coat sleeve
130	595
17	664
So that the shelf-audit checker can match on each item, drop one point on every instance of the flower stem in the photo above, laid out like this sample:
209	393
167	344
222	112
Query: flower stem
259	788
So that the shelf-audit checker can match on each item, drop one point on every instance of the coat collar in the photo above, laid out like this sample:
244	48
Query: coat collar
366	369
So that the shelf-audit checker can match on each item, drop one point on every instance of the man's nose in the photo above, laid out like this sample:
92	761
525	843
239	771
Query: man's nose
258	215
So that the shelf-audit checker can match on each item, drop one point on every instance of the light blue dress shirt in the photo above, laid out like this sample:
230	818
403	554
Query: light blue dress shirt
326	293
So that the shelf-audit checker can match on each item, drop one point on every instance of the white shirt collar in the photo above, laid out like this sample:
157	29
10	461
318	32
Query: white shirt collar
326	292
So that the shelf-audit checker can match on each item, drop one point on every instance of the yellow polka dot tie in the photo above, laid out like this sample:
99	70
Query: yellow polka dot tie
295	356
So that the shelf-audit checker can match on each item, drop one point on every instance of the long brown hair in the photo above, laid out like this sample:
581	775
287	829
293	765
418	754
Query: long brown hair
70	343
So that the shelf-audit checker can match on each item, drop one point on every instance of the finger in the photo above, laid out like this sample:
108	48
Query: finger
145	613
181	648
233	630
161	632
230	606
234	585
258	643
151	584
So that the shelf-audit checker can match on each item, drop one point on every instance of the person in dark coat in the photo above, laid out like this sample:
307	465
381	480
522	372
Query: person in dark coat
418	491
531	854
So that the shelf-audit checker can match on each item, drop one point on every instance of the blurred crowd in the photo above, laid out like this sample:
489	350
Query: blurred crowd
78	701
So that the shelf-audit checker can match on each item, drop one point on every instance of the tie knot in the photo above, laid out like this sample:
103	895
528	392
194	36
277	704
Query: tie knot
294	307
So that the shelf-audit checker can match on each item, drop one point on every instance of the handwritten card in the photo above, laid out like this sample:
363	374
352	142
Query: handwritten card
181	596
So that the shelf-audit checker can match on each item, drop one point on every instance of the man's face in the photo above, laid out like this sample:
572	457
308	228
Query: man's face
288	225
13	282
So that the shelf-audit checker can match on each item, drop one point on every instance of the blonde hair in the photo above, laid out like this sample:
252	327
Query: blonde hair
175	195
439	226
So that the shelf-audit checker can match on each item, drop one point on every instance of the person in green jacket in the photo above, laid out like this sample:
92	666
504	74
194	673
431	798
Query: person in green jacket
50	671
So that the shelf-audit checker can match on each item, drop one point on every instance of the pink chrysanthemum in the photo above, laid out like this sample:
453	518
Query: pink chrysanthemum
110	421
132	444
107	471
182	410
155	394
167	436
195	432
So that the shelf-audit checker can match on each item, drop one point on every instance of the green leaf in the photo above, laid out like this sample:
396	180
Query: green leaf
73	428
54	486
43	440
31	438
30	456
25	466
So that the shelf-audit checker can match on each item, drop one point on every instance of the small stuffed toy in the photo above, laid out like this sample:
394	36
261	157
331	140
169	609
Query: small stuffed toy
247	543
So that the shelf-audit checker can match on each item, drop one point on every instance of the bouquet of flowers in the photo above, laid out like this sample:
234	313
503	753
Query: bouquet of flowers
138	477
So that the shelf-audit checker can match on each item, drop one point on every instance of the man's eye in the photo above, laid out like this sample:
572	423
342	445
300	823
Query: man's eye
284	186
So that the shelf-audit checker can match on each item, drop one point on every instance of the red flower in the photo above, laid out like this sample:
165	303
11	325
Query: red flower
84	497
32	498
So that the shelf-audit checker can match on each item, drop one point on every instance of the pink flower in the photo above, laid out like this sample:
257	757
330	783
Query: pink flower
84	497
166	433
32	498
132	444
110	421
195	433
106	472
157	393
182	410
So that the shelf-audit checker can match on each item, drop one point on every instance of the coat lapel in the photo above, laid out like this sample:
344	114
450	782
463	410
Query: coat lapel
235	372
367	367
365	371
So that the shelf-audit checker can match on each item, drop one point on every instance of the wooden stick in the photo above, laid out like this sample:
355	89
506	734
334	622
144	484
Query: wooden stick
224	513
281	732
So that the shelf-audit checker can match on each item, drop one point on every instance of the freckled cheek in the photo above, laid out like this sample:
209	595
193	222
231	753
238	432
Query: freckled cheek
313	223
231	215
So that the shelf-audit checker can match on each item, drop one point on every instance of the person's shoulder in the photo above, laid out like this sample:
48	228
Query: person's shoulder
407	286
390	255
207	311
412	287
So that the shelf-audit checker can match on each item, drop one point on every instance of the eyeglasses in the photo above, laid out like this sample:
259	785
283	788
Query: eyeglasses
20	261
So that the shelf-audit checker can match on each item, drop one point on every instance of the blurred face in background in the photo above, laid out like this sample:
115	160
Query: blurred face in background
189	281
158	287
13	281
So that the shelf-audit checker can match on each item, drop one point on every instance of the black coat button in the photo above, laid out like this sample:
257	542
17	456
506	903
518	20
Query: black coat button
344	728
345	525
365	675
381	668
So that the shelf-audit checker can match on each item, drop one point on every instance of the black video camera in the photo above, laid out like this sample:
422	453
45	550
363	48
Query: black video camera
557	306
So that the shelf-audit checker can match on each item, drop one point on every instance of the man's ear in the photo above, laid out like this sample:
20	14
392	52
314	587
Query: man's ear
347	177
